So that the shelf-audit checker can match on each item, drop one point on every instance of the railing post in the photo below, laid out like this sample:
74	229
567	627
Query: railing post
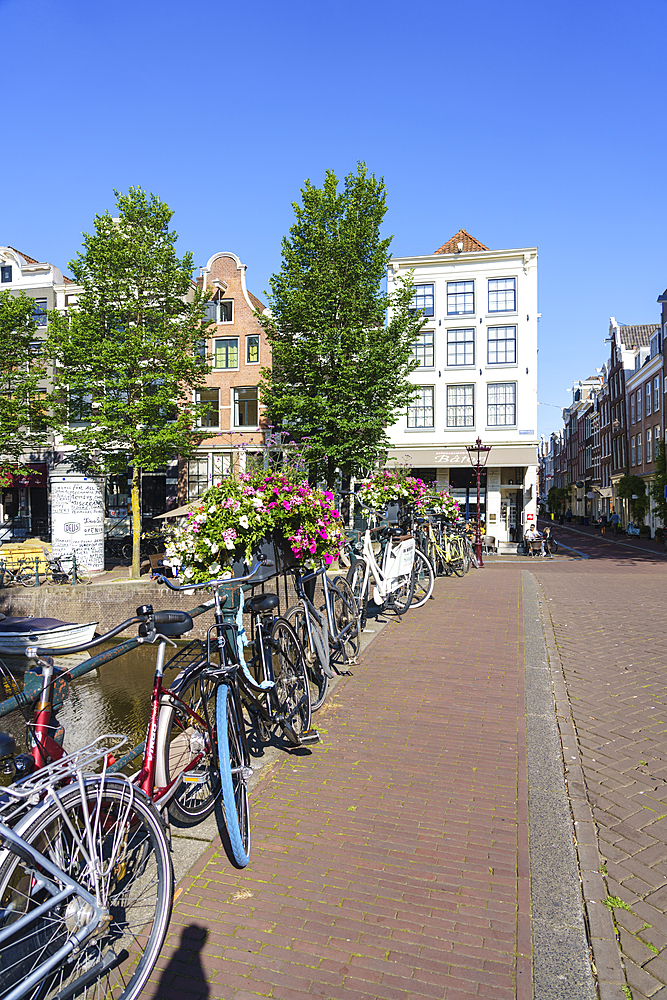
74	569
36	584
2	573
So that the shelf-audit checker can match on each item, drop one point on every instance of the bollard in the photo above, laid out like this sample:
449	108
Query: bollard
2	573
36	583
74	569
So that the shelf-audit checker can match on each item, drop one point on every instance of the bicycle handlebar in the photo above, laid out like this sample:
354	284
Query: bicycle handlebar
231	581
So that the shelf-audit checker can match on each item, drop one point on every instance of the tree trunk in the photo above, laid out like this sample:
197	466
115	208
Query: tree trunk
135	571
331	472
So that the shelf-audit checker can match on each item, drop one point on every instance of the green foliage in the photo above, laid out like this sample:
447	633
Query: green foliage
657	487
21	414
558	498
340	367
615	902
634	486
127	362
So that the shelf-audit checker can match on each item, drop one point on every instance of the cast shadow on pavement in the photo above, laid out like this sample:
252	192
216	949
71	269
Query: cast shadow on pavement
185	964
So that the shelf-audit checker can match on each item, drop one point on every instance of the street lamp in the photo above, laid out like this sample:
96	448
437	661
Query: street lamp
481	451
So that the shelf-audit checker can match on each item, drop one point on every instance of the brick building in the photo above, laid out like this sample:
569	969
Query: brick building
644	389
237	349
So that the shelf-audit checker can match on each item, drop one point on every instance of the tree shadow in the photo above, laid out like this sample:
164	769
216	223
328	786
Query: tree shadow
184	975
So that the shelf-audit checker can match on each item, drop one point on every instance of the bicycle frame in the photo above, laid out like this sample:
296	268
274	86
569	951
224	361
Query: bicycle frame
397	563
335	637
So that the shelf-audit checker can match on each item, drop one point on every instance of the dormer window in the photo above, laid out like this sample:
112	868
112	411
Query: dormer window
5	273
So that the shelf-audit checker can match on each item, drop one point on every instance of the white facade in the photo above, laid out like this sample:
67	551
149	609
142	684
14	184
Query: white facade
477	376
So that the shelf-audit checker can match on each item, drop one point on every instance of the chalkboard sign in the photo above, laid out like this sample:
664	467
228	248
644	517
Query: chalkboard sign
77	519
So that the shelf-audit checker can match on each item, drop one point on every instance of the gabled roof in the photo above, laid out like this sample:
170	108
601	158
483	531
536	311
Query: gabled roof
637	336
28	260
470	244
256	302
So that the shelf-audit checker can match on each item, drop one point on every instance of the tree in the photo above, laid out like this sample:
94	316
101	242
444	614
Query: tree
557	498
339	365
128	362
21	405
633	489
657	487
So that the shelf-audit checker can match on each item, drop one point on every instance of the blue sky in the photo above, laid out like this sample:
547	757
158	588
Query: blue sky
526	124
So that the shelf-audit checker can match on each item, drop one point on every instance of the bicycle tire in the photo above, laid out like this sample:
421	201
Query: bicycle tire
132	851
355	578
400	599
292	689
424	575
27	578
83	574
346	619
181	738
233	779
456	560
318	681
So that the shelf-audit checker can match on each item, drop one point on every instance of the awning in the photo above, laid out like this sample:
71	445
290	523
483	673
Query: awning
425	458
36	477
604	491
176	512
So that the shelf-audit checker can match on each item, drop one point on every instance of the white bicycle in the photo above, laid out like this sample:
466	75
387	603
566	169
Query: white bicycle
393	579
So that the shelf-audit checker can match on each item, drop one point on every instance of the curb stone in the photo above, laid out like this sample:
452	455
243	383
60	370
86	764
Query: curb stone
600	925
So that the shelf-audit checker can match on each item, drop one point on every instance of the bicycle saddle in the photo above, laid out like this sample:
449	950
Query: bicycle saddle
262	603
7	745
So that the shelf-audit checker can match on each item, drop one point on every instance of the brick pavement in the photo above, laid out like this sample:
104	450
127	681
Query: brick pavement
391	861
606	618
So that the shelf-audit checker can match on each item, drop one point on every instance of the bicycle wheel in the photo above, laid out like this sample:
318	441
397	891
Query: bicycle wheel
234	774
355	578
400	599
346	619
313	653
424	577
27	578
127	856
180	738
291	681
456	561
83	574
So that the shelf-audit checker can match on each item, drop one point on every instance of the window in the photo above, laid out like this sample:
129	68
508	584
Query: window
632	450
197	477
246	407
226	311
632	409
226	353
648	445
639	449
6	273
39	312
211	418
461	347
38	412
200	351
639	404
420	408
252	350
222	466
80	407
502	345
423	299
460	406
648	399
615	450
424	348
502	295
460	298
656	394
656	439
501	408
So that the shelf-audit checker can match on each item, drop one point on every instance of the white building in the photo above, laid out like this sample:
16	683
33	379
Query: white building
477	378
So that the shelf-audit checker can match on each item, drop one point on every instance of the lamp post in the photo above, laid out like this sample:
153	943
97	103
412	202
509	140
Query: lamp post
481	451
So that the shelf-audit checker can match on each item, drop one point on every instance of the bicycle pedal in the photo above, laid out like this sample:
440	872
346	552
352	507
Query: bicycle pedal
310	736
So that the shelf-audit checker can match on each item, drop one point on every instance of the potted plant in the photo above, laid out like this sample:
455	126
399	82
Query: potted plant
389	489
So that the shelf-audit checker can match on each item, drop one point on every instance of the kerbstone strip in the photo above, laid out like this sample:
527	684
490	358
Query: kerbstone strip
561	963
388	862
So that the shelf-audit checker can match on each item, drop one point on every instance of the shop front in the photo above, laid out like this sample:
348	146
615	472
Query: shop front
24	505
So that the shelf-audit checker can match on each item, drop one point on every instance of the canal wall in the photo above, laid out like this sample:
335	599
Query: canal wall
110	603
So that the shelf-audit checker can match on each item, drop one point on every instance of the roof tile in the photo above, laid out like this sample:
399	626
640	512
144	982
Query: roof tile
470	244
638	336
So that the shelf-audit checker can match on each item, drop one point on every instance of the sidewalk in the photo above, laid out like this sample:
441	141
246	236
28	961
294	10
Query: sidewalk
391	861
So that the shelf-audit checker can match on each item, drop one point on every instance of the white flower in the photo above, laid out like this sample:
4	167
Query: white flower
258	502
230	544
244	522
227	575
214	568
212	509
214	547
189	572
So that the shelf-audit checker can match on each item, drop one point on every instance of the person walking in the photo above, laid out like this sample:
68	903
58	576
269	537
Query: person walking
615	521
603	524
568	515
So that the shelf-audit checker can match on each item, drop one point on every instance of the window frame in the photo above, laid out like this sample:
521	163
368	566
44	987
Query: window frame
632	408
656	394
4	279
648	395
632	451
221	304
461	312
506	340
235	406
248	339
417	348
198	399
40	311
639	450
647	446
414	306
417	404
496	291
455	387
454	343
489	404
225	368
638	407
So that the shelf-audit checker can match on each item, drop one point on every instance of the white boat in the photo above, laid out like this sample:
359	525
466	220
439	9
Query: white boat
17	633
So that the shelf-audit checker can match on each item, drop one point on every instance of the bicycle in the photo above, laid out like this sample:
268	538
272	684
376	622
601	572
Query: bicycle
394	580
23	573
273	689
86	882
55	571
327	633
